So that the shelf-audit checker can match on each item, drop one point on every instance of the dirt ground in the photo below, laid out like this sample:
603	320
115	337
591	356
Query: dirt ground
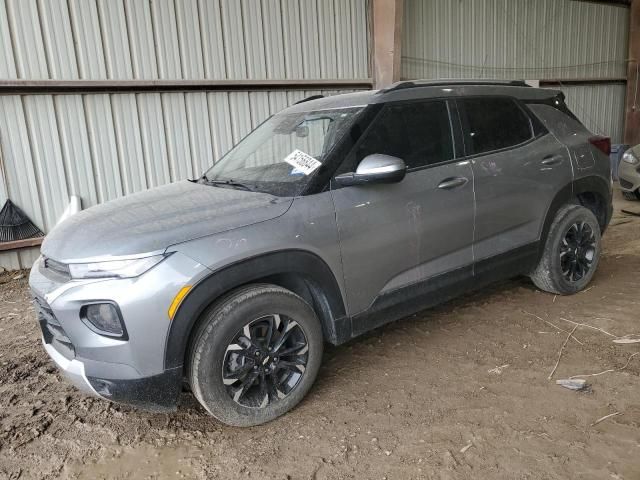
457	392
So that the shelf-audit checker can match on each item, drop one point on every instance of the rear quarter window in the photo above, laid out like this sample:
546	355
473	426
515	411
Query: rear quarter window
559	122
495	124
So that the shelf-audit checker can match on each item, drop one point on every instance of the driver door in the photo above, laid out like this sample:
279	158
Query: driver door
395	236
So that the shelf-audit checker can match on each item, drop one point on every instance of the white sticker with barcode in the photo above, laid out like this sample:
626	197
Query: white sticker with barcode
302	162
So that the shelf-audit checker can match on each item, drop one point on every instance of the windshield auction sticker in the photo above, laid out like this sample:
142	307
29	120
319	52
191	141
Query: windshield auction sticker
302	162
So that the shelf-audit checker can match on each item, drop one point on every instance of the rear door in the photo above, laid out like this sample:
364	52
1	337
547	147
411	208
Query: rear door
518	169
394	236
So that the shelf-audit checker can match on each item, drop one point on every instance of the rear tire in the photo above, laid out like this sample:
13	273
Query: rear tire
571	252
255	355
631	195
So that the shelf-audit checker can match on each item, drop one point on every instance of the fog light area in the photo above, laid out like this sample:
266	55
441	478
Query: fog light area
105	318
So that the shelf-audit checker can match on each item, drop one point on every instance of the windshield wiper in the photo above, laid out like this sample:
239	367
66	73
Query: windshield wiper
229	183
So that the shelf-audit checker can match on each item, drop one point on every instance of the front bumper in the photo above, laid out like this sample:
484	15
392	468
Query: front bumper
629	176
72	370
158	393
128	370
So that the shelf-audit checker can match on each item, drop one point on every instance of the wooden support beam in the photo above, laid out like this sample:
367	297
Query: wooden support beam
387	41
547	82
632	120
17	244
624	3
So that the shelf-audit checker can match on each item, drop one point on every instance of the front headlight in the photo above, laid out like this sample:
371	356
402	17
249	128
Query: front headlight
114	268
630	157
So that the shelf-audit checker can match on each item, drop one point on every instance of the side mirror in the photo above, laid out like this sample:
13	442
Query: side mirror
375	168
302	131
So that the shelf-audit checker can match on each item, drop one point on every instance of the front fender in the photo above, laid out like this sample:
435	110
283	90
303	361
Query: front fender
299	262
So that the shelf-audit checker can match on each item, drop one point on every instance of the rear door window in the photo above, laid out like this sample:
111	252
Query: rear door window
495	124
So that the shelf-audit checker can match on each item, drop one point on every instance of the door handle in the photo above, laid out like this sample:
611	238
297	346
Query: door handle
551	160
453	182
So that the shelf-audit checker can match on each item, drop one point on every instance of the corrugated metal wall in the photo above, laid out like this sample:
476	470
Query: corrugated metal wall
183	39
524	39
600	107
101	146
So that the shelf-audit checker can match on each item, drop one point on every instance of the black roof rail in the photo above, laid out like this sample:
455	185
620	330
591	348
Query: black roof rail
308	99
453	83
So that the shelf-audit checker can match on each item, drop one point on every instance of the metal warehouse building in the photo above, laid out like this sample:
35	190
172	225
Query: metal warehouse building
102	98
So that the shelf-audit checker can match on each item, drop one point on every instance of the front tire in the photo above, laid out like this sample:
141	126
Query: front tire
255	355
571	252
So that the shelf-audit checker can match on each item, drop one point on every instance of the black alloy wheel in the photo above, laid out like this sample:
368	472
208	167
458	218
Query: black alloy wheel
265	361
577	251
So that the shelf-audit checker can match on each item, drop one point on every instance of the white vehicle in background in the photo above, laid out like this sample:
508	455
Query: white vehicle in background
629	173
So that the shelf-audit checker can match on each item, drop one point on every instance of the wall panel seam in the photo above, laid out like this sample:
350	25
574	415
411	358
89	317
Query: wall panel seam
12	36
34	166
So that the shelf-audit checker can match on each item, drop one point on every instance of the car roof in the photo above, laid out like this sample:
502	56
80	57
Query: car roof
424	89
344	100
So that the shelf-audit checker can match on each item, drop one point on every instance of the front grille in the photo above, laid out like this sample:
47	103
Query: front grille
52	331
57	268
625	184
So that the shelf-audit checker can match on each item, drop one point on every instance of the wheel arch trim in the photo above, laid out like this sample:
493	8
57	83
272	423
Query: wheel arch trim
300	263
589	184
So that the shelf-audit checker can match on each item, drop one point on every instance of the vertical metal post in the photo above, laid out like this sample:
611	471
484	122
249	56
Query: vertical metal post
387	41
632	120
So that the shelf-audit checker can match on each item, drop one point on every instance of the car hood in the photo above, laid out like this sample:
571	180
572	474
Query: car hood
152	220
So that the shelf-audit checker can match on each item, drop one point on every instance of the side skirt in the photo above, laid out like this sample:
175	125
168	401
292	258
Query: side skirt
416	297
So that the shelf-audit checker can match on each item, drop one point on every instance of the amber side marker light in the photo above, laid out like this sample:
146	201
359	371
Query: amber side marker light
173	308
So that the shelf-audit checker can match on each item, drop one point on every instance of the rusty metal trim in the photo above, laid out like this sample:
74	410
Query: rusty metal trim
20	87
17	244
581	81
620	3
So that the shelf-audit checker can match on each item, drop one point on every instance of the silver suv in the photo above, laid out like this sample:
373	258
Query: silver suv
333	217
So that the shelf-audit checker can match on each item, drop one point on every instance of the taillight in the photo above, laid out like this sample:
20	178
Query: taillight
601	143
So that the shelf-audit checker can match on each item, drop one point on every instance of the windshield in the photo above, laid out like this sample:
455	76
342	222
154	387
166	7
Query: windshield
284	153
